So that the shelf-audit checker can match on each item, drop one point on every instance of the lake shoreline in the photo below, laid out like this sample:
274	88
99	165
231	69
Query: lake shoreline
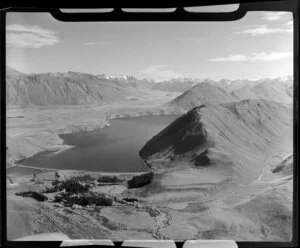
62	146
106	173
109	117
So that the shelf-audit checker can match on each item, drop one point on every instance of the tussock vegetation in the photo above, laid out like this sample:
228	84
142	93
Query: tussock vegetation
33	194
140	180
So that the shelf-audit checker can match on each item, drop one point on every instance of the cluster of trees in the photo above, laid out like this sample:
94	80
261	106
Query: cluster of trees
84	199
84	178
72	185
128	199
107	179
140	180
76	190
33	194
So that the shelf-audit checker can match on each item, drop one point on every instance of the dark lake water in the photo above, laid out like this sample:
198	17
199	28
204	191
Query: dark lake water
112	149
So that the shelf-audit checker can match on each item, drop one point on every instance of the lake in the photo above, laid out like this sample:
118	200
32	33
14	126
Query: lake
111	149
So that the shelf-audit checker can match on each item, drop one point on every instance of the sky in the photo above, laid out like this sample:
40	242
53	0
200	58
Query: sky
257	46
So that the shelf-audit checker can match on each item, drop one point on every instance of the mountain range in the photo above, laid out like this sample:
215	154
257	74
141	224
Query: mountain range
70	88
176	84
73	88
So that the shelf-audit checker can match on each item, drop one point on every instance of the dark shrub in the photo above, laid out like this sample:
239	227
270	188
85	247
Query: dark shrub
107	179
83	199
84	178
56	175
103	201
50	190
98	200
56	187
140	180
35	195
109	224
55	182
130	199
152	211
73	186
118	200
58	198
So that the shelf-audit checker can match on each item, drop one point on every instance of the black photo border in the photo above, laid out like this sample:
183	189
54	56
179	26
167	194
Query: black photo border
118	15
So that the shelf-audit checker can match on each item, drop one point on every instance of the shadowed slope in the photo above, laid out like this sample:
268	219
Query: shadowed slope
240	134
183	135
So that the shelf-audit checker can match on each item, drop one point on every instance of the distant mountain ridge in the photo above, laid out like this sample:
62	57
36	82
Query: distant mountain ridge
128	81
183	84
178	84
69	88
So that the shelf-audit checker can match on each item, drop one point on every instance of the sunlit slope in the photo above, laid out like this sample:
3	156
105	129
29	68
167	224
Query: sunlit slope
69	88
278	90
202	93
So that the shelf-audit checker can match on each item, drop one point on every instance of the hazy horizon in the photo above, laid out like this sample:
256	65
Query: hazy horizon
156	81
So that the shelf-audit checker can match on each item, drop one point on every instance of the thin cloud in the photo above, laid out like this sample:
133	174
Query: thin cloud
274	16
263	30
160	72
262	56
23	36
